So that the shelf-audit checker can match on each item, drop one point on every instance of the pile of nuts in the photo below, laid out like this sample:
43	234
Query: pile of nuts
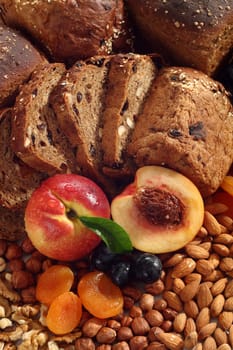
189	307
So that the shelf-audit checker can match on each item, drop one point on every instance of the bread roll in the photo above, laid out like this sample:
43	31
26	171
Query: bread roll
18	59
195	33
70	29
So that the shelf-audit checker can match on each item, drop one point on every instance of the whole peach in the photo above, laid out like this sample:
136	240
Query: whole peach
52	216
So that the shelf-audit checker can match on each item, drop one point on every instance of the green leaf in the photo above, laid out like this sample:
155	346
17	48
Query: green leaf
114	236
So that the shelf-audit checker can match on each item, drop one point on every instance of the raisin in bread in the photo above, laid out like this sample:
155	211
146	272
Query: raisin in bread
128	84
17	180
186	125
18	59
78	101
36	136
195	33
71	30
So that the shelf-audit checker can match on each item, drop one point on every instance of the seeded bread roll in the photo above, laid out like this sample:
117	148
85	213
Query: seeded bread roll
71	30
18	59
186	125
36	136
195	33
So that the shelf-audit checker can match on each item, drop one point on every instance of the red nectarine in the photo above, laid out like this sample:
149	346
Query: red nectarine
51	216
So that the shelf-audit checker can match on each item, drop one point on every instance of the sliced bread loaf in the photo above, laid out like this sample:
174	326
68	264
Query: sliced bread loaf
17	180
129	80
78	101
36	136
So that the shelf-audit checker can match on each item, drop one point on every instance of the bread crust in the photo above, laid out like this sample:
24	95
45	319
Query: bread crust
18	59
70	29
196	33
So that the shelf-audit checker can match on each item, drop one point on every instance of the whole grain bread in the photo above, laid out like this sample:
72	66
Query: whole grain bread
11	224
17	179
129	80
71	30
186	125
36	136
195	33
78	101
18	59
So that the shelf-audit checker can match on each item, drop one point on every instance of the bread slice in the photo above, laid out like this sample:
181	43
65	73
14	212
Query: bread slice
36	136
11	224
78	101
129	80
17	180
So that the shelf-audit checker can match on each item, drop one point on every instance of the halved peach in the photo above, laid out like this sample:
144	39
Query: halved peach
161	210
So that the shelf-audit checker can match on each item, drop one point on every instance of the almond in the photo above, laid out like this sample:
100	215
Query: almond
178	285
226	221
189	291
184	268
207	330
225	319
220	336
226	264
224	238
216	208
209	344
174	260
228	306
217	305
173	300
204	296
196	252
231	336
211	224
191	340
228	292
224	347
203	318
220	249
171	340
179	322
193	277
219	286
190	326
204	267
191	309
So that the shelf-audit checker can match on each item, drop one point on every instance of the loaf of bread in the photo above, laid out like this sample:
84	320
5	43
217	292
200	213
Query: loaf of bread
71	30
195	33
11	224
17	179
186	125
36	137
18	59
129	80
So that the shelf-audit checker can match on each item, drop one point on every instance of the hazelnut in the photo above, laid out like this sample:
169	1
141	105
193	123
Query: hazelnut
121	346
138	343
33	265
92	326
16	264
22	279
84	344
27	246
13	251
140	326
3	247
124	333
146	302
106	335
135	311
154	317
28	295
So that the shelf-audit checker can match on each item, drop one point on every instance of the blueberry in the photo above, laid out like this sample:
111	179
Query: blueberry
120	272
147	267
101	258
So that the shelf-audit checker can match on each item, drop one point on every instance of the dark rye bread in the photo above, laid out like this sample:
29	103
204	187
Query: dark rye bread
17	180
186	125
36	136
18	59
129	80
78	101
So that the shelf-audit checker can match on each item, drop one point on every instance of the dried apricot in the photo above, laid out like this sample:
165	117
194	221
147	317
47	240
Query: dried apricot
99	295
227	184
56	280
64	313
223	197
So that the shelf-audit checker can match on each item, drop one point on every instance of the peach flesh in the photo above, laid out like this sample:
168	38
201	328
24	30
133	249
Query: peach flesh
159	238
49	224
